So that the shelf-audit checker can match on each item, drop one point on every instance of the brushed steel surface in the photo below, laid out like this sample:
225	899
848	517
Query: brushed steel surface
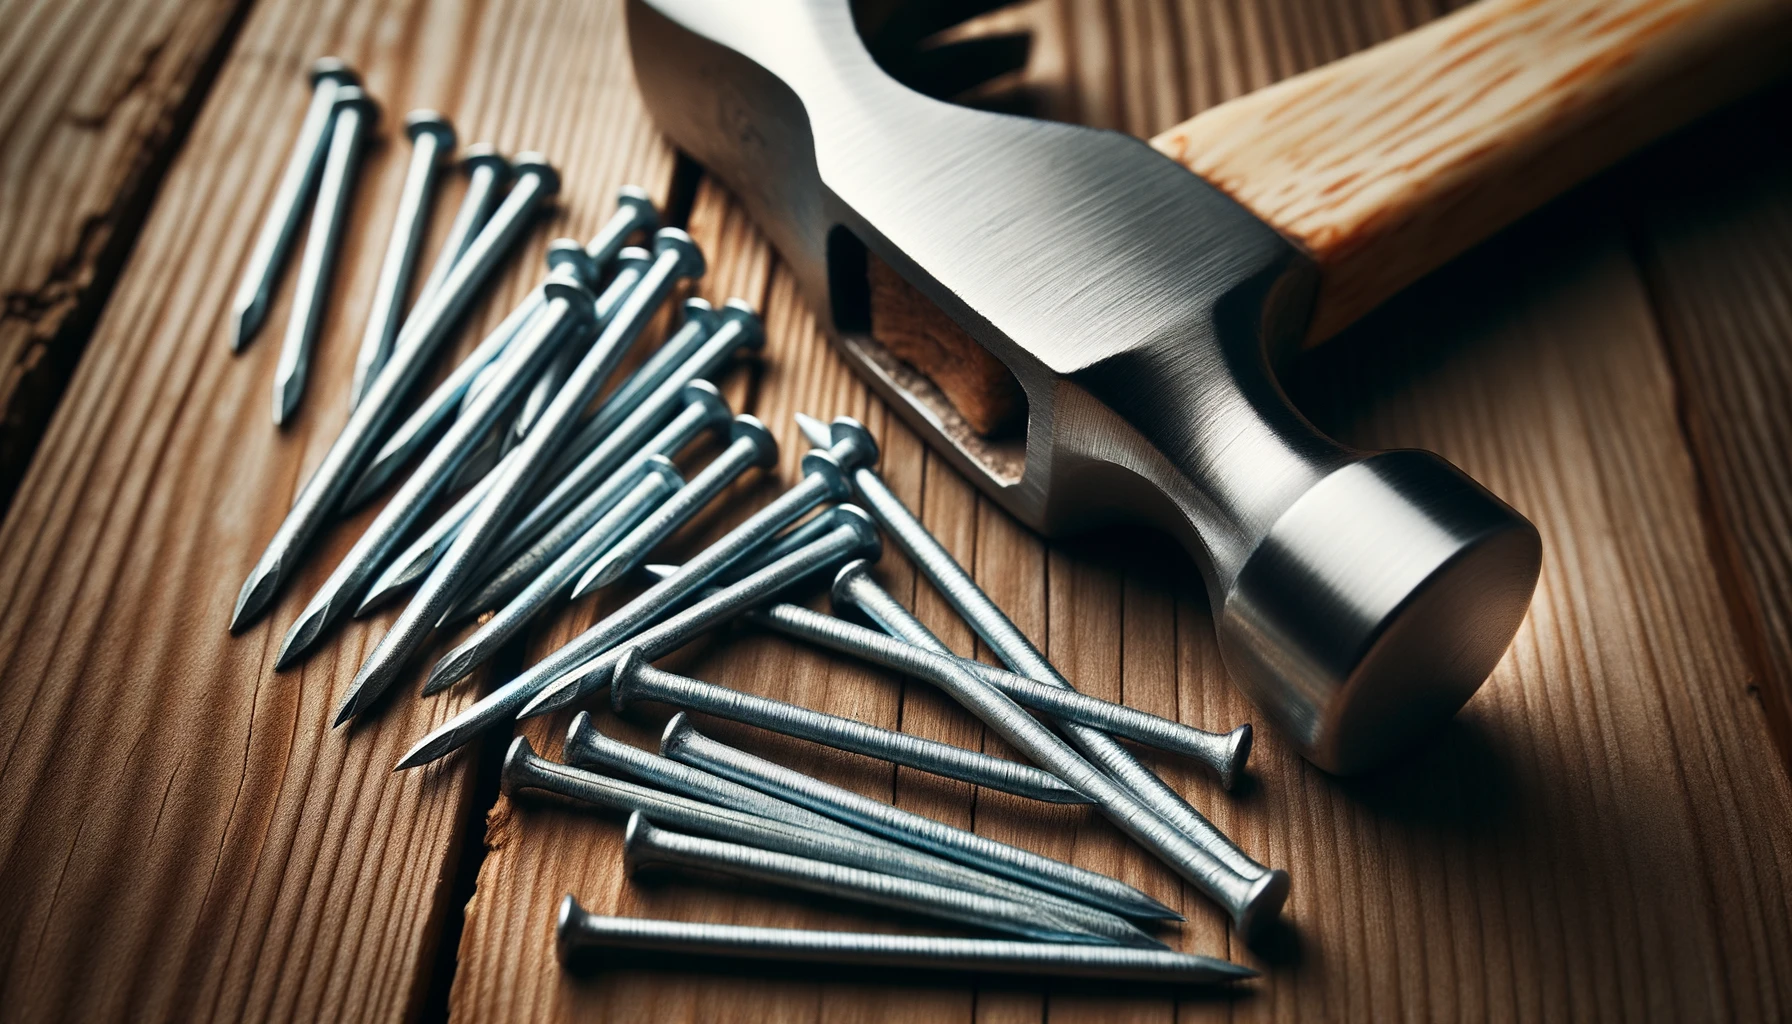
1142	313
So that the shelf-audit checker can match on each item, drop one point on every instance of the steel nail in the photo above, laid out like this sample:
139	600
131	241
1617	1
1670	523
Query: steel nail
585	747
791	831
646	846
627	416
541	392
851	535
655	479
704	409
821	482
487	173
750	445
524	770
596	647
432	139
1013	647
579	932
1224	753
568	310
770	551
355	116
447	398
273	243
563	256
698	323
683	743
584	464
432	476
635	680
598	455
675	257
422	334
1251	901
527	772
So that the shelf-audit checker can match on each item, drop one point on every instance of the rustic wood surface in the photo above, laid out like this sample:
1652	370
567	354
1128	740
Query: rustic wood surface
1604	833
94	100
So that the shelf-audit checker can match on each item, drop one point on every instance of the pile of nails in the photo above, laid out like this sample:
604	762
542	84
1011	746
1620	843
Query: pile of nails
562	494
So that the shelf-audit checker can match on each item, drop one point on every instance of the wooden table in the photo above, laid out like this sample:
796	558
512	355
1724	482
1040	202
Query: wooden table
1604	833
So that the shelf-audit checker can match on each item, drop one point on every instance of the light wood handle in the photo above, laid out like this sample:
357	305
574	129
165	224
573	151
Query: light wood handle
1387	163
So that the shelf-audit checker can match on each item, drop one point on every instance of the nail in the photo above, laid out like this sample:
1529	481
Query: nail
823	480
432	139
817	485
585	747
596	649
683	743
675	257
851	536
1224	754
422	334
634	680
355	115
750	445
646	846
578	932
487	172
590	454
563	256
1013	647
273	243
569	309
598	456
655	480
445	401
1250	901
698	323
524	770
768	552
541	392
704	410
431	477
634	212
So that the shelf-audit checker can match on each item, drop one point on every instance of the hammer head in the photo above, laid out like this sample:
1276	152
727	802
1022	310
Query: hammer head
1358	596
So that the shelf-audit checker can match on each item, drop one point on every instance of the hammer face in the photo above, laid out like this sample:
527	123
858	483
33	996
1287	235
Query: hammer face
1140	309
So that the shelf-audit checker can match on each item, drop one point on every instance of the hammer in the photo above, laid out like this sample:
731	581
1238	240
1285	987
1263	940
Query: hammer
1137	298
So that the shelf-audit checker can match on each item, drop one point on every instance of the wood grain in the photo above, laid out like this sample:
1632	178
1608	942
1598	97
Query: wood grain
184	837
1712	224
115	129
1388	163
1603	834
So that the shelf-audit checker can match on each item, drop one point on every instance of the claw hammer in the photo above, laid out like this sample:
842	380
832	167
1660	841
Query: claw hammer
1143	295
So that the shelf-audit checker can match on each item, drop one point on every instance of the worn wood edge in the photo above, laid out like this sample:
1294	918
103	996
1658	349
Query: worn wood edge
134	126
1386	164
1709	217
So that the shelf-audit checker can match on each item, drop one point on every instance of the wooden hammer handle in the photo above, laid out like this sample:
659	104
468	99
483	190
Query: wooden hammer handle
1389	162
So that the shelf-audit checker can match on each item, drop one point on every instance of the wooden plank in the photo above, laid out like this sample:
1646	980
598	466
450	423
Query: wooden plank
1602	833
1584	841
94	100
1521	864
1713	225
184	836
